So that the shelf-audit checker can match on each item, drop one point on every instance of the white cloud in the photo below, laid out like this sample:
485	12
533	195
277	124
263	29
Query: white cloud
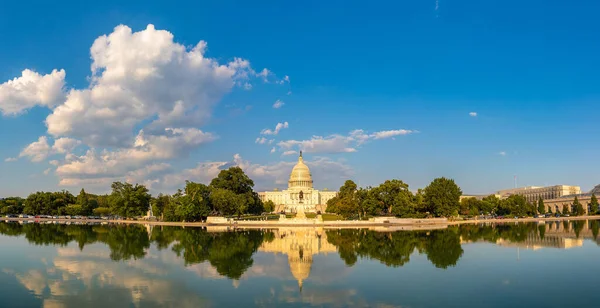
261	140
473	114
273	150
31	89
37	151
140	77
502	153
291	152
278	104
47	171
337	143
284	80
145	150
278	128
326	173
142	82
10	159
65	145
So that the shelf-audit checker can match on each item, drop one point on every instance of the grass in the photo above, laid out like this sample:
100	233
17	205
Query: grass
331	217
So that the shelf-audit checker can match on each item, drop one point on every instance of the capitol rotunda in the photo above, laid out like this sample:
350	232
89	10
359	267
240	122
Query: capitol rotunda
300	192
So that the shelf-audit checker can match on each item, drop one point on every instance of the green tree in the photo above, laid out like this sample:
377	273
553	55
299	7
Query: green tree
74	210
269	206
159	204
101	211
490	204
227	202
233	179
348	189
578	207
394	197
127	200
441	197
541	208
594	206
595	226
470	206
565	210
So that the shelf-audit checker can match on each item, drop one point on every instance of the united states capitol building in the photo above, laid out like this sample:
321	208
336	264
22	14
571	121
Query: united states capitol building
300	192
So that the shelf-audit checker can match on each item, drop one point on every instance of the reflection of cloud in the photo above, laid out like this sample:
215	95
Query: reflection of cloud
34	280
72	279
53	303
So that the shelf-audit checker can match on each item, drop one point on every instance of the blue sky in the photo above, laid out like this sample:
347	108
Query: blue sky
406	73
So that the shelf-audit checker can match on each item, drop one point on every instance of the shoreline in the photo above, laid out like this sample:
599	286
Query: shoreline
414	224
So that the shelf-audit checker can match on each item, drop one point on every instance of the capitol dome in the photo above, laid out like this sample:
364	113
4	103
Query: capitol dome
300	176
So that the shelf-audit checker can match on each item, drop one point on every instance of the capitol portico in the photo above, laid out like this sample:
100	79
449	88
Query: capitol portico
300	192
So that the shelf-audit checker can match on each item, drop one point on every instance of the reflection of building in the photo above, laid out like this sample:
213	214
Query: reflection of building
535	242
556	204
533	193
300	192
300	245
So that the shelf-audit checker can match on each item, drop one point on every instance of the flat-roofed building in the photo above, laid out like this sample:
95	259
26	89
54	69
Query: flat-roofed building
556	204
533	193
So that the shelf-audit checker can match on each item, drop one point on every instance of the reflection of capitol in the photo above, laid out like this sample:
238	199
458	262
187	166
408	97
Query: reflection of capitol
300	244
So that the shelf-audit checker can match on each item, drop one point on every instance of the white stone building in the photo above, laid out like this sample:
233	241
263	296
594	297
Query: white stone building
300	192
533	193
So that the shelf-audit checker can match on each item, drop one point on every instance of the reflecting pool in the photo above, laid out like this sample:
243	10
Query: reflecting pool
551	264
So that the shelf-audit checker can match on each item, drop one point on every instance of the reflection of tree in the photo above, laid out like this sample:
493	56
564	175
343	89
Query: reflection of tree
578	226
127	242
443	248
229	252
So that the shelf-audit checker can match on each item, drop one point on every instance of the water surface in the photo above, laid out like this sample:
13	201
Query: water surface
508	265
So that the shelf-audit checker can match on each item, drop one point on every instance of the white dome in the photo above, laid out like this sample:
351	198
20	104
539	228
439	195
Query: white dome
300	176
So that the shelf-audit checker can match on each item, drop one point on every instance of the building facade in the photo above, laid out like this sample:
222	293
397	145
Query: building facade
533	193
300	192
556	204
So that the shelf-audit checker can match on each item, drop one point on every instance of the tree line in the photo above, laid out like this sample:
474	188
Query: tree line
230	193
441	198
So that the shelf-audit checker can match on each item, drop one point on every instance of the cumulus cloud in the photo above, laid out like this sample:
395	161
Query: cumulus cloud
278	128
39	150
473	114
278	104
145	150
337	143
32	89
291	152
273	150
148	95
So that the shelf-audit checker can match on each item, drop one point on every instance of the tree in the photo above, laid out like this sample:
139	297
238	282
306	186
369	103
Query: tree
127	200
565	209
490	204
233	179
101	211
594	206
442	197
541	208
470	206
578	207
159	204
394	197
348	189
227	202
269	206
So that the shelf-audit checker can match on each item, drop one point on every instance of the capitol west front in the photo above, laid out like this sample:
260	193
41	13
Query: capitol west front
300	192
